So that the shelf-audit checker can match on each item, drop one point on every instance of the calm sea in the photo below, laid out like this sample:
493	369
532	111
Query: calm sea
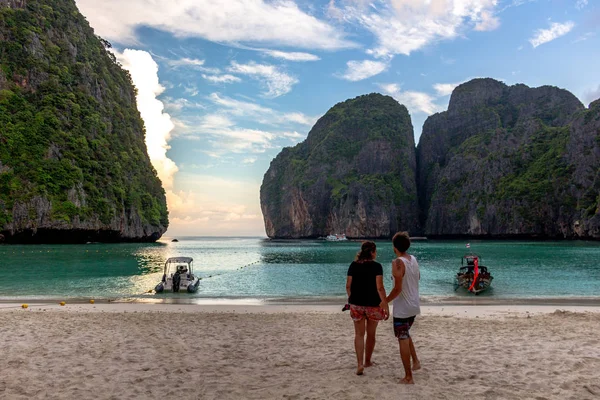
262	269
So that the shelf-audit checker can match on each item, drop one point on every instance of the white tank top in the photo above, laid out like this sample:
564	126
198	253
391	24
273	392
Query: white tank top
406	304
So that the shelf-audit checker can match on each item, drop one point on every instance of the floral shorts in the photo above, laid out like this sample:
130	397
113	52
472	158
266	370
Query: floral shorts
402	327
371	313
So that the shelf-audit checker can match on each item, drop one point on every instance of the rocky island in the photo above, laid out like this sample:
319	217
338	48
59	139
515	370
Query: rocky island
354	174
501	162
73	162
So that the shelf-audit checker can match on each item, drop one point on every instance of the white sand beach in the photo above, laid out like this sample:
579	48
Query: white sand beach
152	351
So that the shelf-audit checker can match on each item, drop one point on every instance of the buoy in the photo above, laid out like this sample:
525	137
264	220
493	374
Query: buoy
24	305
91	301
62	303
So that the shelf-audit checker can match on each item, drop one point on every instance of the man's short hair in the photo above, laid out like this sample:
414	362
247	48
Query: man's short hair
401	241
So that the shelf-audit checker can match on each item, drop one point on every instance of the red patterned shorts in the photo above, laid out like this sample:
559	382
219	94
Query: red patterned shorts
371	313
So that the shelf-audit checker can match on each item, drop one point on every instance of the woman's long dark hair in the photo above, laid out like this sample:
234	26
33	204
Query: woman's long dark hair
367	251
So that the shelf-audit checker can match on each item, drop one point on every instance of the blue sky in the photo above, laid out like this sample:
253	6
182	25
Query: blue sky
224	85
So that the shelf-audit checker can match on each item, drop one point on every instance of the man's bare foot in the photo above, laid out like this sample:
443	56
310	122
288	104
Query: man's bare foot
416	366
369	364
407	381
360	370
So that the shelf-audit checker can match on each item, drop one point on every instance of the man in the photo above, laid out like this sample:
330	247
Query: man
405	298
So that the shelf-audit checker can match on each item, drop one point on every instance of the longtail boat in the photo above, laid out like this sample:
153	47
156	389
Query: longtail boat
472	276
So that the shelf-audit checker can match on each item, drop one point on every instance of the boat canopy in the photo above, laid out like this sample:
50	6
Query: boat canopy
186	260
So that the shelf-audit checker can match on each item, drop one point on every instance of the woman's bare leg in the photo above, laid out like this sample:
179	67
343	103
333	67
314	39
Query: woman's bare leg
370	345
359	344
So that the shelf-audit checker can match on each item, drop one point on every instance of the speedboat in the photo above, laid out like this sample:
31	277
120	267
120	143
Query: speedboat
471	276
336	238
178	276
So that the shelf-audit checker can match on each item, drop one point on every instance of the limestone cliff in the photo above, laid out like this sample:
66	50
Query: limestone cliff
510	162
354	174
73	162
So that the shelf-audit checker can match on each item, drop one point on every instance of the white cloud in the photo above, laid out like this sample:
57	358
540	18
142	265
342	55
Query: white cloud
488	22
240	108
581	4
249	160
359	70
556	30
292	56
445	89
414	101
180	104
404	26
248	21
294	135
192	90
258	113
584	37
194	62
144	73
591	95
278	83
223	136
298	118
226	78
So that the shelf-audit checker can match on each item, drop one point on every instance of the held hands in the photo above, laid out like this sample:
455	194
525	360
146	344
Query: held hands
386	309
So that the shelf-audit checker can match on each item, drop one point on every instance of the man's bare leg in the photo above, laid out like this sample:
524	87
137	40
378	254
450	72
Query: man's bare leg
370	345
416	364
359	344
405	356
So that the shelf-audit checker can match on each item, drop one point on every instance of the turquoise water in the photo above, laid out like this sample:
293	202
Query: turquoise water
259	268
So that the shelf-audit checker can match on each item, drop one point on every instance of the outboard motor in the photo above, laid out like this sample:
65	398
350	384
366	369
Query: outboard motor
176	281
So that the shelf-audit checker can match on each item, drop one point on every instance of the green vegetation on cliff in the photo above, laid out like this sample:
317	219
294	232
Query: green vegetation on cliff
70	131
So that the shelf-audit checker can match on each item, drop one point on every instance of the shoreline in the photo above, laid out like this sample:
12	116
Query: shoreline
193	311
310	301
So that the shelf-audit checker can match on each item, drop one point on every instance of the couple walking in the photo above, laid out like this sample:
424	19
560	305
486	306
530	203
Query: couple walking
369	303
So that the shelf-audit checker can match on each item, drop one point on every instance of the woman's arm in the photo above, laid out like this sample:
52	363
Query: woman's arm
398	270
348	285
381	291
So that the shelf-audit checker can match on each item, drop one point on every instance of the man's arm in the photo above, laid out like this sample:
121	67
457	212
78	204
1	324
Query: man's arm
398	270
381	291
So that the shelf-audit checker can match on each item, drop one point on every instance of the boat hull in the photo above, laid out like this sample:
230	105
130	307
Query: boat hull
185	285
465	282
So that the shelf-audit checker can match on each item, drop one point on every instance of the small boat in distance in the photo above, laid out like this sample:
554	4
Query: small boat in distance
178	276
336	238
471	276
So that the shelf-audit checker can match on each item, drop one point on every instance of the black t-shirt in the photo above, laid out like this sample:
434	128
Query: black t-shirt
363	290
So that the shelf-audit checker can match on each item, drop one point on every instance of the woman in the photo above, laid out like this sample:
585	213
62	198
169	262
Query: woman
366	293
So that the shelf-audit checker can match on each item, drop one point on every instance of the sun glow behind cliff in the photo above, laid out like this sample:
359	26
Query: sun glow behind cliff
218	207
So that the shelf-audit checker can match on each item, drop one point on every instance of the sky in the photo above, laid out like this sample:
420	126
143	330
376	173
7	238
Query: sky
224	85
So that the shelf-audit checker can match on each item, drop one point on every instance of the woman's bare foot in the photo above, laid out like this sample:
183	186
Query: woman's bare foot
416	366
360	370
369	364
407	381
